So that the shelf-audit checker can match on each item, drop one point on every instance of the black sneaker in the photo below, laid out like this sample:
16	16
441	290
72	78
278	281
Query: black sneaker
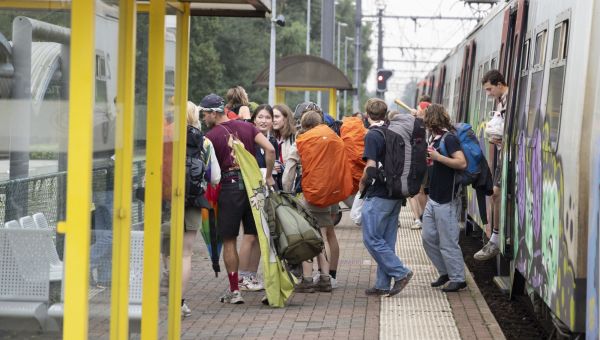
376	291
440	281
400	284
454	286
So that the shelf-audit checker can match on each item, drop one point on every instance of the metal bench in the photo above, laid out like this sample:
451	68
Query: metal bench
24	272
136	270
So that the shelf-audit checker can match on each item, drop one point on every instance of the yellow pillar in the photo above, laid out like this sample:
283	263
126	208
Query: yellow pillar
154	160
119	318
178	180
333	103
79	168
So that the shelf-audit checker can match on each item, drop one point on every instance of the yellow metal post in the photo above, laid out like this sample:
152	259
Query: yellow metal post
179	146
279	95
333	103
119	318
79	178
154	159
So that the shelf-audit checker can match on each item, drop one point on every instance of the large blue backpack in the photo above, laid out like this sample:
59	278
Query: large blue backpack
472	150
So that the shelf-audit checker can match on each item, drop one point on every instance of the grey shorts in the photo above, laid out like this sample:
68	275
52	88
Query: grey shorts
323	214
192	218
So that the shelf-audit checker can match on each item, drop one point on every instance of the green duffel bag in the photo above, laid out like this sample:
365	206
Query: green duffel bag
295	232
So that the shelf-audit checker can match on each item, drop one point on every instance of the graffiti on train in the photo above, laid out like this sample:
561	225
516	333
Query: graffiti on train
543	231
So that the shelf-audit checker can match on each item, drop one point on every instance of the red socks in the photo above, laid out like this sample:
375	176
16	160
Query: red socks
233	281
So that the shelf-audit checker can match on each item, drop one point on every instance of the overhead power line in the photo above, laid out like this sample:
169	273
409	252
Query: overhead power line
412	61
420	17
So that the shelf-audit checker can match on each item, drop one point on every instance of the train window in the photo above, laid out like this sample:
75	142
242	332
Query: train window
446	100
540	48
101	90
525	56
535	99
556	81
456	98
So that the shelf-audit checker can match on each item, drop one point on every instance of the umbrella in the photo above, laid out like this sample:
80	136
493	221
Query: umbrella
278	282
209	227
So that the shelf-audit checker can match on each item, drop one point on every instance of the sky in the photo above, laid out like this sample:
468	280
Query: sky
425	33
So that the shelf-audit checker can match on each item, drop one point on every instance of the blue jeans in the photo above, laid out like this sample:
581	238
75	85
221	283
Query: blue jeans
380	232
101	250
440	239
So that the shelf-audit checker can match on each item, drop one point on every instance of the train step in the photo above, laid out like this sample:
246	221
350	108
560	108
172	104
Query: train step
503	283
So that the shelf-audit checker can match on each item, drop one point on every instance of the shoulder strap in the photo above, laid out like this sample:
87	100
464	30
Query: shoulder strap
443	144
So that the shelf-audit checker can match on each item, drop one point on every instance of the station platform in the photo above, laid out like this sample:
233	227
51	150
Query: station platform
418	312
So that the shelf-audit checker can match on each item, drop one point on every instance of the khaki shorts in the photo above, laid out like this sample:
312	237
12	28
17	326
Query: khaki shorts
323	214
192	219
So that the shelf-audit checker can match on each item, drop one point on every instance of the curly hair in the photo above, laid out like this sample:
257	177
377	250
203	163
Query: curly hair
437	118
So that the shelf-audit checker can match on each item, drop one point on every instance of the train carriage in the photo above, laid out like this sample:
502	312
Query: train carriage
548	51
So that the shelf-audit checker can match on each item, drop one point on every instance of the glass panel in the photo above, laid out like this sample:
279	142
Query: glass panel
489	100
105	111
556	41
564	40
535	98
33	158
454	113
525	56
521	101
554	102
540	48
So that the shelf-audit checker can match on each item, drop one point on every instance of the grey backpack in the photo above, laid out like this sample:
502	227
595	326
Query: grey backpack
295	232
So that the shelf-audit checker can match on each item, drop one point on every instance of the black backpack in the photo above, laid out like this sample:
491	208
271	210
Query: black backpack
405	149
195	168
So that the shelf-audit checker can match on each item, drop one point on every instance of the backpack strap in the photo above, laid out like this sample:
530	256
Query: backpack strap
443	150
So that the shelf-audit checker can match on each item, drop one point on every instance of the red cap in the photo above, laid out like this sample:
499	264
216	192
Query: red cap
424	105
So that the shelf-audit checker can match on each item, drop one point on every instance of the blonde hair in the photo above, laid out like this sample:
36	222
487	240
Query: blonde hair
236	96
193	117
310	120
289	128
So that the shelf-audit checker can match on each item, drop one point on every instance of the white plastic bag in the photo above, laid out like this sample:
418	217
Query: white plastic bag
494	128
356	211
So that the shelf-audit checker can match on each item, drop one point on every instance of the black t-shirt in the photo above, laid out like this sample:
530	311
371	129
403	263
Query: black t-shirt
441	177
375	150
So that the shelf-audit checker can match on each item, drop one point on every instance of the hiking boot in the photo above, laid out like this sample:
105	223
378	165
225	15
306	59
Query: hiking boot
305	286
317	276
490	250
440	281
250	283
416	225
376	291
235	297
454	287
185	310
324	284
400	284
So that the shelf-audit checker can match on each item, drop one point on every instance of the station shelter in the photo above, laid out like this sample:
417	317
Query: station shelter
306	73
93	100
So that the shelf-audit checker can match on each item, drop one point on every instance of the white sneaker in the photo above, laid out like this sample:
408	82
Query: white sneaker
488	251
317	276
250	283
185	310
235	297
416	225
334	283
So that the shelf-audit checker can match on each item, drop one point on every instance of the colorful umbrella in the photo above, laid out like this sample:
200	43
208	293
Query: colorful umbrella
278	282
209	227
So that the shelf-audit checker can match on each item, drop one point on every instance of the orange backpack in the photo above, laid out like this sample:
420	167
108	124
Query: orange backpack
353	133
326	175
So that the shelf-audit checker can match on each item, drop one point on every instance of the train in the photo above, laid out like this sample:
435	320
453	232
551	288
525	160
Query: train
549	53
34	75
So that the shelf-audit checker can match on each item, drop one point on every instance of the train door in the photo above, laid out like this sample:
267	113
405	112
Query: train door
441	84
515	26
465	83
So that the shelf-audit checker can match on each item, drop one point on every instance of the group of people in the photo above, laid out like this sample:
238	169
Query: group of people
272	135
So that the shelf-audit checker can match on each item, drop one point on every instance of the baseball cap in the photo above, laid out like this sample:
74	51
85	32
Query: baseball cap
212	102
424	105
